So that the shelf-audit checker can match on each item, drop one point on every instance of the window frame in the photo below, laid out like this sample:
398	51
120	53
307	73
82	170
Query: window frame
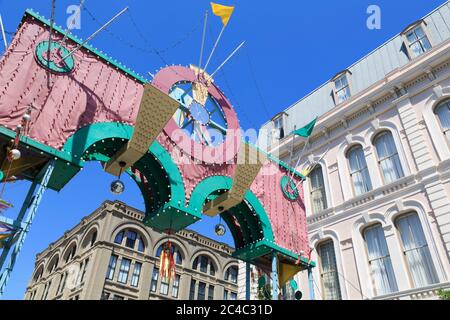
339	78
412	28
112	264
360	170
336	271
124	270
136	274
396	154
322	189
446	132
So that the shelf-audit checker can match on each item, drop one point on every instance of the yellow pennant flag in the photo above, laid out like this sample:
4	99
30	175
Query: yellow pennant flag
224	12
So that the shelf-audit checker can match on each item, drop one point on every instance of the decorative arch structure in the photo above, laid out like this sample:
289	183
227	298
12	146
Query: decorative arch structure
128	122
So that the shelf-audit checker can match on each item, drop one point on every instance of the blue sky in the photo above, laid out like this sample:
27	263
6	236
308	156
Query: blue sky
291	48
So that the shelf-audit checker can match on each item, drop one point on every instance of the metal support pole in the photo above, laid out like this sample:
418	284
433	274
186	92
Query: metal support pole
274	276
247	281
311	284
31	205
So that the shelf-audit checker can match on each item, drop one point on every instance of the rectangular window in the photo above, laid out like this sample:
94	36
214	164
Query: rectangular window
131	239
164	289
46	290
278	125
388	157
233	295
203	264
154	283
117	297
342	89
83	274
380	260
201	291
359	171
418	41
192	290
318	195
111	267
136	274
176	286
225	294
328	272
62	282
211	292
124	270
415	248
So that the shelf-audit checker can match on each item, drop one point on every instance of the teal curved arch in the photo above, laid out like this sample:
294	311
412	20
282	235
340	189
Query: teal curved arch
213	184
86	137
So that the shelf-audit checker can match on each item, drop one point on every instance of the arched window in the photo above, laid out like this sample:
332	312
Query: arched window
131	237
379	260
443	113
53	264
318	195
39	273
71	253
388	158
359	172
232	274
202	263
328	271
416	251
175	251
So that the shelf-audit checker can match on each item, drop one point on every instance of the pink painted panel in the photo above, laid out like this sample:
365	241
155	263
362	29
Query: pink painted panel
93	92
287	217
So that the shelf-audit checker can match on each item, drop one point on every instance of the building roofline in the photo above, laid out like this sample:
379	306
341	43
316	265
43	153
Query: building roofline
33	14
359	60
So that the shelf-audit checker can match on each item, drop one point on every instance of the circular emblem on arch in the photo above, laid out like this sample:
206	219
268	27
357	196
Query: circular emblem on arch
207	130
289	188
53	61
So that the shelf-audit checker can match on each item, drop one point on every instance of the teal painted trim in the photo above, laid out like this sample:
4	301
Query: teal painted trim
2	175
75	39
213	184
205	188
42	49
40	147
277	161
293	194
262	214
175	178
85	137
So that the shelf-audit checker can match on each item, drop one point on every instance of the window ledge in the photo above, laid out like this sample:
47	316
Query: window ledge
428	292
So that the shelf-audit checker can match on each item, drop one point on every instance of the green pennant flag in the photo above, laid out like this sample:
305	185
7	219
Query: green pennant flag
306	130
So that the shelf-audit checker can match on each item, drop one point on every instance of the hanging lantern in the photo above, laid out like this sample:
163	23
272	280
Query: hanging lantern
220	230
26	117
117	187
14	154
167	263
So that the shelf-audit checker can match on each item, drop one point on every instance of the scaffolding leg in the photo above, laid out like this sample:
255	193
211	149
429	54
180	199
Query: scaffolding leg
311	284
247	281
274	276
31	205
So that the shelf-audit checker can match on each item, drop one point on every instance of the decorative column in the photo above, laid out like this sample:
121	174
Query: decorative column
247	281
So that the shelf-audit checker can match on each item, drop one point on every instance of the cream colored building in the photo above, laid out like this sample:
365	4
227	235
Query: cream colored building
110	254
378	198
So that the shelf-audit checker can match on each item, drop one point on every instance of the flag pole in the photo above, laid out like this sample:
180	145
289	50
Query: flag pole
3	33
312	168
299	158
227	59
93	35
69	30
203	39
214	48
292	146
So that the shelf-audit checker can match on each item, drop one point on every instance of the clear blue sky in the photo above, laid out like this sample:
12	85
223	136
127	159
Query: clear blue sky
293	47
